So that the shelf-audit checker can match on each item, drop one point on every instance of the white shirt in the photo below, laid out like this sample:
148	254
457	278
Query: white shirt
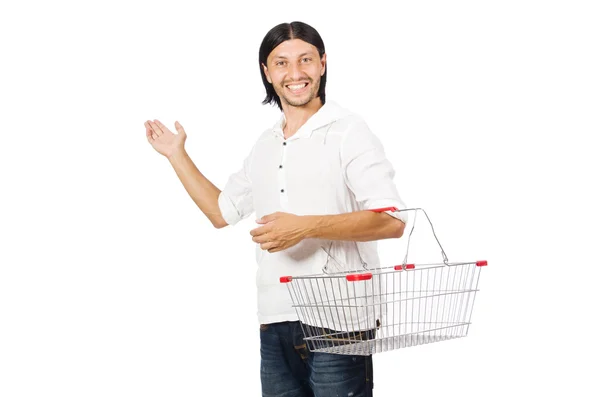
333	164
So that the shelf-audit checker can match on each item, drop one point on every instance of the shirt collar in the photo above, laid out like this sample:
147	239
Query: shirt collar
327	114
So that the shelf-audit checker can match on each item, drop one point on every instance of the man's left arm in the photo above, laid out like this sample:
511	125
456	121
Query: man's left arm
282	230
354	226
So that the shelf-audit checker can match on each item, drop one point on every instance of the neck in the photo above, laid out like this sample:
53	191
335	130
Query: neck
296	116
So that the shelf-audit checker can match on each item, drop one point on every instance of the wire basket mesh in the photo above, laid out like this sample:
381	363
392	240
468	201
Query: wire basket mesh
376	310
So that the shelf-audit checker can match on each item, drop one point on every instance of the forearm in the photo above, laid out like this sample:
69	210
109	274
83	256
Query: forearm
200	189
354	226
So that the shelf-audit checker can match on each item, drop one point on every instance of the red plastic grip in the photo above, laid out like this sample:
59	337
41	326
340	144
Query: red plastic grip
359	277
481	263
384	209
402	267
285	279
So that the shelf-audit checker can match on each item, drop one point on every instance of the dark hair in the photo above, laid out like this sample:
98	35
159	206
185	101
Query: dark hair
276	36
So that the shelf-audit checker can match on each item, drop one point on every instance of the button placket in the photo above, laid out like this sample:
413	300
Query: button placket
281	174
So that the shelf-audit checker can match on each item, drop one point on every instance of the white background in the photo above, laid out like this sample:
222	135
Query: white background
113	283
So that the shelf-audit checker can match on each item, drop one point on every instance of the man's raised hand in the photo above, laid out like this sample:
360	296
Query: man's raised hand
163	140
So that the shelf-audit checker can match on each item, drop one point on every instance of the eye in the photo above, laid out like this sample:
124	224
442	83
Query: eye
279	63
305	60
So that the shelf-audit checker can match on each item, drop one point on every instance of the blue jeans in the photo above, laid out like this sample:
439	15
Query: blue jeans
289	369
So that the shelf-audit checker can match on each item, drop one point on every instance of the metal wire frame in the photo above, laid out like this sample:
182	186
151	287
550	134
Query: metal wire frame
372	311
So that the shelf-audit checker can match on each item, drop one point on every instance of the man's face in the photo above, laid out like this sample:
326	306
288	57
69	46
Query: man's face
295	69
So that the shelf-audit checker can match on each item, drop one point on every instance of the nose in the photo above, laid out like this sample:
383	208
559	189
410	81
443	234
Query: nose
295	71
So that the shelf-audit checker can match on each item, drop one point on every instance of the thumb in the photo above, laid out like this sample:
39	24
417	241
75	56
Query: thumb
179	128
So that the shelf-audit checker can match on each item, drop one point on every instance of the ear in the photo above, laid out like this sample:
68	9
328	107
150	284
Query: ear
266	71
323	63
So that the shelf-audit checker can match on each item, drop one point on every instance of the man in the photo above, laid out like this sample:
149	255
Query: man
311	179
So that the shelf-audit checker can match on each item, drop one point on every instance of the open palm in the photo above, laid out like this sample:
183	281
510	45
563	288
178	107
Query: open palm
162	139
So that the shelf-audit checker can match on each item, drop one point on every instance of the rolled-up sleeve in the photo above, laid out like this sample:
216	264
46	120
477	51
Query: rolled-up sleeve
235	200
368	173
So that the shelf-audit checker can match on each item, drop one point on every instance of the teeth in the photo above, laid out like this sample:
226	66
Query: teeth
296	87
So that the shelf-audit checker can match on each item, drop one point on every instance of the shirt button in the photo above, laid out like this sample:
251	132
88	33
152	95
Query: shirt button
281	190
284	143
281	166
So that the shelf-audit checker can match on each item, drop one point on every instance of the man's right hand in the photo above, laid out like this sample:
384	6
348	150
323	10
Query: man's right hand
163	140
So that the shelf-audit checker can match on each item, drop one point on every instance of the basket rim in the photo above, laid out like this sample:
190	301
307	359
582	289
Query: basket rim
384	270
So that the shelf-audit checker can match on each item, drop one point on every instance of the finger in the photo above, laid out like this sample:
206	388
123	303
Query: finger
268	246
277	247
179	128
156	132
268	218
162	127
148	132
259	230
148	129
265	238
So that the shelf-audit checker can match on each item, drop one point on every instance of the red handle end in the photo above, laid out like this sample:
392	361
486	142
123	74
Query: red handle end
403	267
285	279
359	277
481	263
384	209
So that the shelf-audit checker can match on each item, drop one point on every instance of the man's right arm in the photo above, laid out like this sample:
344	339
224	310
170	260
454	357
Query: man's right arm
200	189
222	208
204	193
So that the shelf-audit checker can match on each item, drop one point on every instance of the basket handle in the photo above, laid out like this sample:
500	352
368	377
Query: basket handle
394	209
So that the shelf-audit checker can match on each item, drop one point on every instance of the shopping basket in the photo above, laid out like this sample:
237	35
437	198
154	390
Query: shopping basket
375	310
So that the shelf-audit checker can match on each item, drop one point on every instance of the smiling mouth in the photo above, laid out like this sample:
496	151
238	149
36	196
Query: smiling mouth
297	87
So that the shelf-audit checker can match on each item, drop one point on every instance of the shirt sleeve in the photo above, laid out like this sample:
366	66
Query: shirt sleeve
235	200
368	173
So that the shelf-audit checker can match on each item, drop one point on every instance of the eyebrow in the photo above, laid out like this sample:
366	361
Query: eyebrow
299	56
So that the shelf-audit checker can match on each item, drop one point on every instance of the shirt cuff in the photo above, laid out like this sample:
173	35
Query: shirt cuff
228	211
